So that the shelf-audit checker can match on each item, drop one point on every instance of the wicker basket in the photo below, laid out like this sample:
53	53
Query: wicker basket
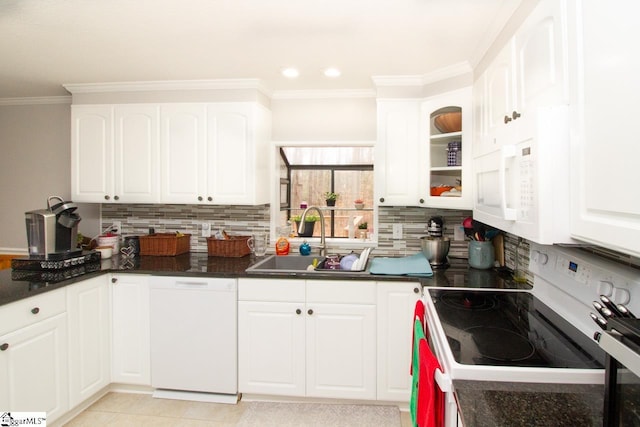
165	244
234	246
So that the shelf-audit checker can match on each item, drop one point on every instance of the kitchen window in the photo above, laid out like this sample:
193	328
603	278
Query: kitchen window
307	173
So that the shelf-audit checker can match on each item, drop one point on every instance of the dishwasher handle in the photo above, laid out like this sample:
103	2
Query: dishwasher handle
190	283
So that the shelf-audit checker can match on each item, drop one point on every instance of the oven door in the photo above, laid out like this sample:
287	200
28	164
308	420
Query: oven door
622	382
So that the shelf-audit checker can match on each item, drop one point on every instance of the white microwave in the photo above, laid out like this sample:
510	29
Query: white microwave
522	185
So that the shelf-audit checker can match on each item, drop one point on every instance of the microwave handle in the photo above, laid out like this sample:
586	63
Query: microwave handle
507	151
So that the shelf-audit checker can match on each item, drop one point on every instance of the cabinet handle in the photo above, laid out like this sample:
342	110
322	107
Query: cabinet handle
507	119
35	310
116	198
106	197
416	290
114	280
210	199
515	115
381	199
199	198
298	311
310	312
4	346
421	201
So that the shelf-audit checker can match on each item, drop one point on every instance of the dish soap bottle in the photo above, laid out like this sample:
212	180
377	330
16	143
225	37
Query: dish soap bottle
305	248
282	245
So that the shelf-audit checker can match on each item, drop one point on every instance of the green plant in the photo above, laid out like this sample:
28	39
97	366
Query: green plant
363	226
330	196
308	218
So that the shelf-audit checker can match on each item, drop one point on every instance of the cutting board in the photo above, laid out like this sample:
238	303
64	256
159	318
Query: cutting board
498	246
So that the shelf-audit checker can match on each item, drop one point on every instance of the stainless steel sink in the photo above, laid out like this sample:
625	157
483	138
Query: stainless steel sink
295	264
283	264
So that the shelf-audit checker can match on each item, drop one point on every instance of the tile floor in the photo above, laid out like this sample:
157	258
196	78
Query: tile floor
131	409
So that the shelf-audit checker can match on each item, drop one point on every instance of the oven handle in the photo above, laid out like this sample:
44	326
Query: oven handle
443	380
623	354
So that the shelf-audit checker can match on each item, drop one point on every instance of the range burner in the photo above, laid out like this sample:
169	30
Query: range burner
469	300
501	344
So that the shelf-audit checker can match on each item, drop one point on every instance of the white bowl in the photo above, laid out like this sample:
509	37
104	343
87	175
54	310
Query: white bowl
105	251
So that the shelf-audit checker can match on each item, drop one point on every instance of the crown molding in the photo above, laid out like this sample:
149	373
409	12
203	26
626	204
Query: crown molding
150	86
36	100
324	94
424	79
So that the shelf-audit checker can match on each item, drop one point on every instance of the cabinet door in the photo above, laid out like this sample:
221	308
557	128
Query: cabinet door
92	153
396	304
499	99
89	326
33	368
183	153
130	334
231	142
605	151
136	165
271	348
540	60
396	172
341	351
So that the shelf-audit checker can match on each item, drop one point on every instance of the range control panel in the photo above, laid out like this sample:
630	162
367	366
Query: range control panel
582	276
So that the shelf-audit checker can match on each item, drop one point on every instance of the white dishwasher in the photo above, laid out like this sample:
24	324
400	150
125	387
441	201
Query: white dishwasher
194	344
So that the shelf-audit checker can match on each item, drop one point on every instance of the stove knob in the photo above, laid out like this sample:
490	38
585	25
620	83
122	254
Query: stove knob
540	257
605	288
621	295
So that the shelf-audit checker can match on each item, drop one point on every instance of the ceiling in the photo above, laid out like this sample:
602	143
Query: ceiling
47	43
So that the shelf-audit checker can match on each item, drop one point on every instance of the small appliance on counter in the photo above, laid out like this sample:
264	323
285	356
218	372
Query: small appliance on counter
52	235
435	246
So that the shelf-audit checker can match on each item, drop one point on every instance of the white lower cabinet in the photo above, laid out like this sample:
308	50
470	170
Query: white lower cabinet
89	336
307	338
130	333
396	304
33	355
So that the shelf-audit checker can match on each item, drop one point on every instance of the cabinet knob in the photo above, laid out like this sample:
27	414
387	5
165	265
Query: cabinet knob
106	197
4	346
515	115
116	198
298	311
416	290
199	198
421	201
35	310
310	311
114	280
507	119
210	199
381	199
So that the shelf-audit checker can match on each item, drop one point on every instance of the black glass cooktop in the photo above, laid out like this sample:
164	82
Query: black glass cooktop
511	329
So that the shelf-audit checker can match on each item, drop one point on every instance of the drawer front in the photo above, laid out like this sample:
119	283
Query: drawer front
341	291
28	311
277	290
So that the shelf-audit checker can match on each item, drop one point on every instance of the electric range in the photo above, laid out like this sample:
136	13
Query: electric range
542	335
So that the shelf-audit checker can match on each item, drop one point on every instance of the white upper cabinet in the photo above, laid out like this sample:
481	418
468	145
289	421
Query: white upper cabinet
529	72
446	152
605	150
184	149
114	152
92	153
396	153
187	153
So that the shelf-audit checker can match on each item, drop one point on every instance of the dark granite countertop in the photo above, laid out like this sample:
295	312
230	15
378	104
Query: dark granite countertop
501	404
199	264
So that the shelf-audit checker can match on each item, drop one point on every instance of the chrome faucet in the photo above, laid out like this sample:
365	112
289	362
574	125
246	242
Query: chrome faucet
323	241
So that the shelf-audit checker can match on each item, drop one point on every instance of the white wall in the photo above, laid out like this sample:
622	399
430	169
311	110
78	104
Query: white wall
35	164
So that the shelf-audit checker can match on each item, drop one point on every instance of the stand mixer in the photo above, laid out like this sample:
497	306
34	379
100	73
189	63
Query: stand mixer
435	246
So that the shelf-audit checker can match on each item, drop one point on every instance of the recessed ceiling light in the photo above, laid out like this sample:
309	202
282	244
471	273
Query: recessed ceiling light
290	72
332	72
